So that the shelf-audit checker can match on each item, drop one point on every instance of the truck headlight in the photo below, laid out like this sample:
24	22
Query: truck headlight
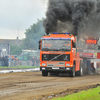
67	64
43	64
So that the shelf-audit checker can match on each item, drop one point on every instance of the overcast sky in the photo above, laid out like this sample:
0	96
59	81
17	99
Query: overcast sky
19	15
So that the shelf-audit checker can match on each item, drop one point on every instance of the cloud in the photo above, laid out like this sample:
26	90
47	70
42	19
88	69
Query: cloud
20	14
11	33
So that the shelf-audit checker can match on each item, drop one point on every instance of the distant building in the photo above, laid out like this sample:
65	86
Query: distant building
4	42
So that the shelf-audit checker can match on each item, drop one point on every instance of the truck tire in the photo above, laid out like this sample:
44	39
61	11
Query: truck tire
44	73
72	73
80	72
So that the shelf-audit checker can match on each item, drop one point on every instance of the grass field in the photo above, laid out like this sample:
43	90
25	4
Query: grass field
91	94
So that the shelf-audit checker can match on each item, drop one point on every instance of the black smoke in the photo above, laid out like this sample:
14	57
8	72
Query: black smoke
80	15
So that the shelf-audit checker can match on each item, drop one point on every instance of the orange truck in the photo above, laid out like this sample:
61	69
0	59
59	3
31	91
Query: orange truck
58	54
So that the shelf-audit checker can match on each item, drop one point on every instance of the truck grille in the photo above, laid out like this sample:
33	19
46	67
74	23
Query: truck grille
55	57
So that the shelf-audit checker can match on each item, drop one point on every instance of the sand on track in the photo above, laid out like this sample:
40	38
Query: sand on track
33	86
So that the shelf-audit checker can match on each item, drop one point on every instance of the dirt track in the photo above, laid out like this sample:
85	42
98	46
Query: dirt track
32	86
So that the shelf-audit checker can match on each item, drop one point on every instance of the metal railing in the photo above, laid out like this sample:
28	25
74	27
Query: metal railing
19	63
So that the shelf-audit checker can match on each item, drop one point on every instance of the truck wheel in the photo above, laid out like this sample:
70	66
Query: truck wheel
72	73
44	73
80	72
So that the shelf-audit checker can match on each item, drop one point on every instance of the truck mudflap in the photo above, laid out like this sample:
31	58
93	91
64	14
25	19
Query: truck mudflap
61	69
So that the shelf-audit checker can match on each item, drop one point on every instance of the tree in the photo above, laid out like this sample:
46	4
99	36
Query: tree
15	50
33	35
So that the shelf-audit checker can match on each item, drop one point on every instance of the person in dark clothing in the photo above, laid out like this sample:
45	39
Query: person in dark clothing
0	61
3	58
6	61
92	68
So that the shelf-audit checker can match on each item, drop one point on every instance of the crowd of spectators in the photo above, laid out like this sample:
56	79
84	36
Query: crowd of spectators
5	60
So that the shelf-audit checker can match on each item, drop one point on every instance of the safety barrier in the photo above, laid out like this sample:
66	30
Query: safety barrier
19	63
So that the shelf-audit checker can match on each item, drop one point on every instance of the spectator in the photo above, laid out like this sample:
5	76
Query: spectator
33	61
3	58
6	61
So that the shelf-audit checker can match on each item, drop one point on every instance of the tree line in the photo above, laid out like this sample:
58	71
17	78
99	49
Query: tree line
33	35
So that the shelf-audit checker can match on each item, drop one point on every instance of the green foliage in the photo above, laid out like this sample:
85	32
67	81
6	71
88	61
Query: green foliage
91	94
33	35
15	50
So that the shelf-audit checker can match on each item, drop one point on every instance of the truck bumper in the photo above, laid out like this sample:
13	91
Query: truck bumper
60	69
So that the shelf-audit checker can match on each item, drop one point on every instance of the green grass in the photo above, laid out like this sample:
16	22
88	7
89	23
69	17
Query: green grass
91	94
19	67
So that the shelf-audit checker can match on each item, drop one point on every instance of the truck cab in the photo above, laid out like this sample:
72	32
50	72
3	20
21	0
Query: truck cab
58	54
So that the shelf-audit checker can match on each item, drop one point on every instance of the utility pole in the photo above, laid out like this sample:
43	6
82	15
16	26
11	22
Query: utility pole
18	33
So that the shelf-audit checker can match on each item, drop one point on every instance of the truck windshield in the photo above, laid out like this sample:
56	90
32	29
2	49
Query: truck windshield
56	45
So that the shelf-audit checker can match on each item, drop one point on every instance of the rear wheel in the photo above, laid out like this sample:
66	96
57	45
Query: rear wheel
44	73
80	72
72	73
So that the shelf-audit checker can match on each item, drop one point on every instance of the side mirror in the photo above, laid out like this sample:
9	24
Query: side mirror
39	44
74	45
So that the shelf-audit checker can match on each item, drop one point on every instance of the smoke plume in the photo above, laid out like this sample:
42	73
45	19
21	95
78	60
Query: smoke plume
75	16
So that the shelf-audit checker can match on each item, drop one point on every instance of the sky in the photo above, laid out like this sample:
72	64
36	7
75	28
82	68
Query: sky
17	15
